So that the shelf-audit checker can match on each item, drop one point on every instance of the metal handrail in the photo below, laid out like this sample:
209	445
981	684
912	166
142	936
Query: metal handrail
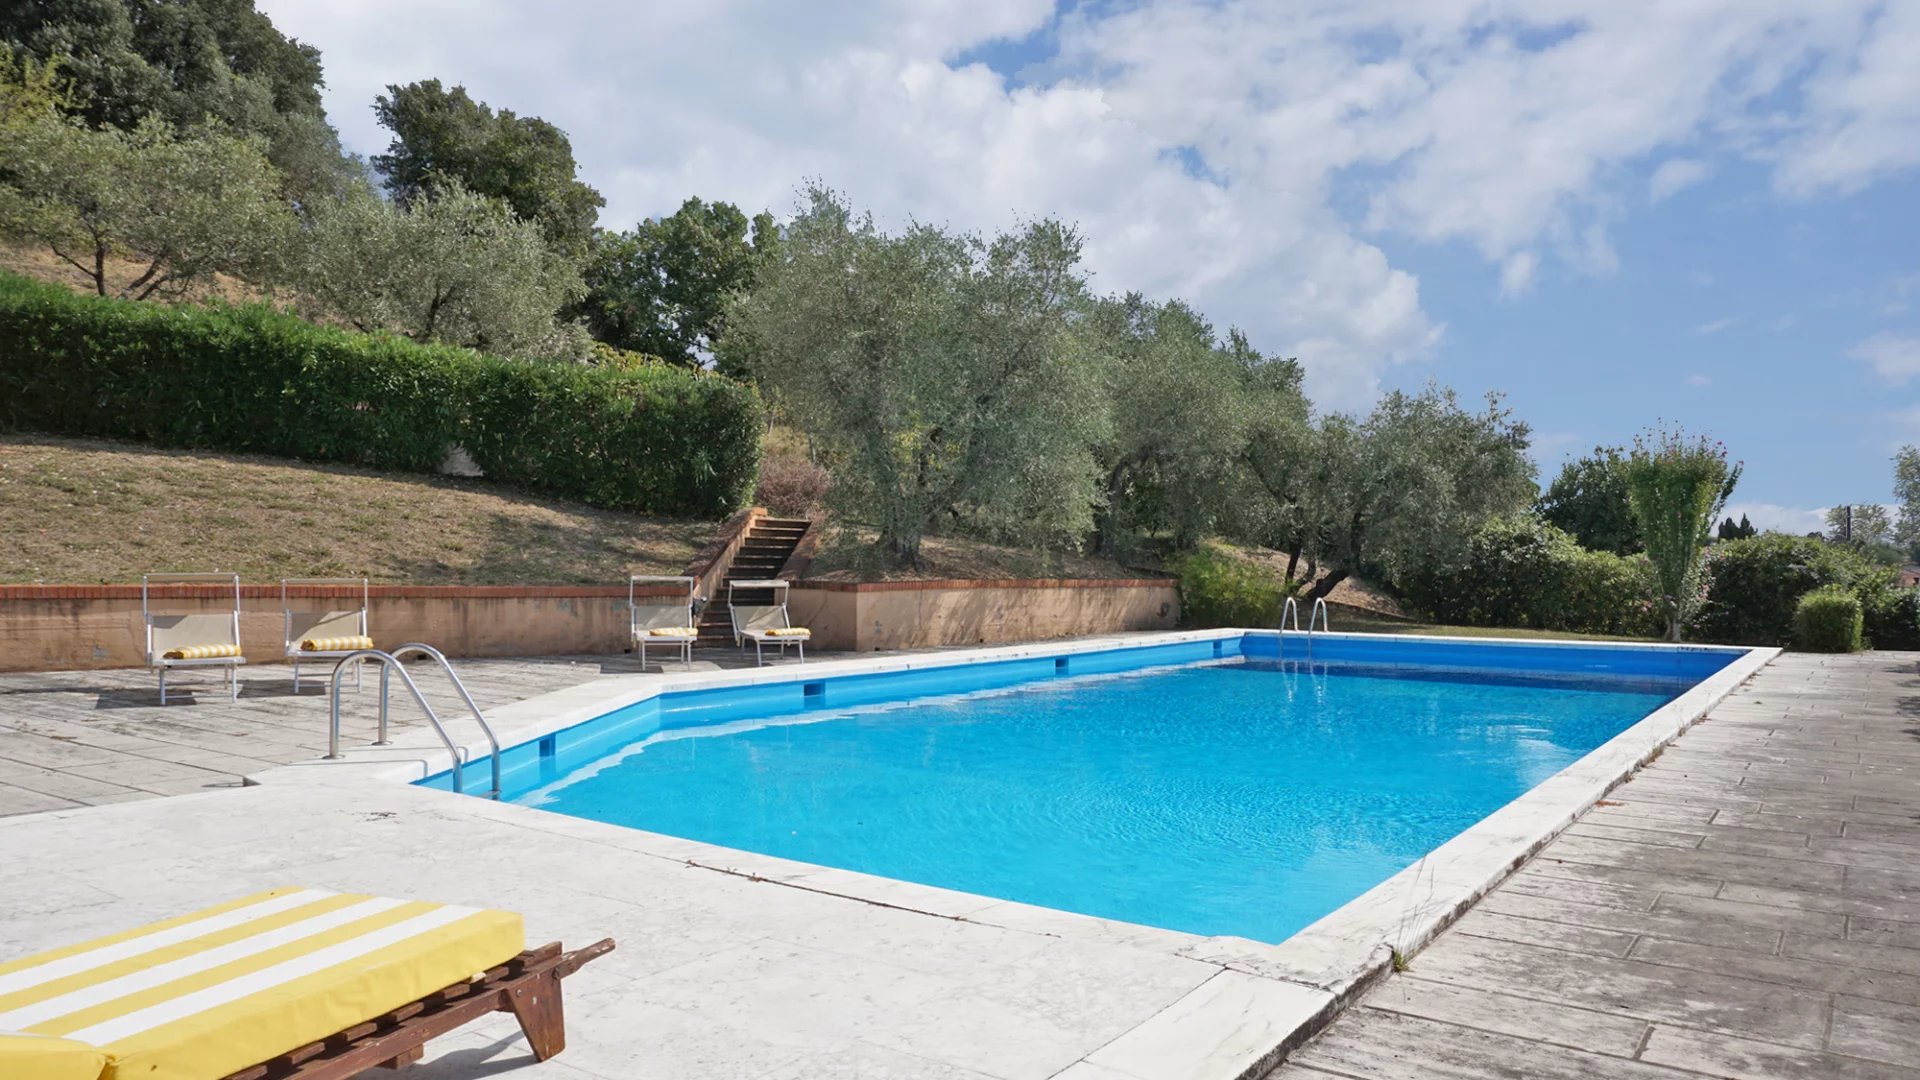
440	658
1319	612
389	663
1291	607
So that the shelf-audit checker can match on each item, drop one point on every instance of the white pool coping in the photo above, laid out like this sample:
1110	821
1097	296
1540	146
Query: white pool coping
1270	997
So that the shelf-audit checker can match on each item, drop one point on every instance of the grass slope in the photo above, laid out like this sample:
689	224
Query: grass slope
76	511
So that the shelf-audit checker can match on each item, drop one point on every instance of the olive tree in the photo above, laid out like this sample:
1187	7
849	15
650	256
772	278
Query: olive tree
1677	487
1179	416
939	370
184	205
1399	491
457	268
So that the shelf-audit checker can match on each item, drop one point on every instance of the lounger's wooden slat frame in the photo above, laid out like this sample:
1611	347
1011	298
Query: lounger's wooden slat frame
527	986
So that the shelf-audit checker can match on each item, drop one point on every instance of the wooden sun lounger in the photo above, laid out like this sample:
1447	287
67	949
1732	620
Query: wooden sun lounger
528	986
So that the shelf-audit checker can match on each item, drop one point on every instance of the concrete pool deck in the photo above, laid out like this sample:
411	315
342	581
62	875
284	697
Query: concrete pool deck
744	966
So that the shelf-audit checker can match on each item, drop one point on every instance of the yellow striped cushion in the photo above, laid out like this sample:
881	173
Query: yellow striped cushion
201	652
336	644
44	1058
213	992
788	631
673	631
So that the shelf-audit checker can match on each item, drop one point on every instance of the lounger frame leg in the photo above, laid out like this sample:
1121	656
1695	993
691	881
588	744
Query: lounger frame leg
643	654
537	1004
163	685
233	682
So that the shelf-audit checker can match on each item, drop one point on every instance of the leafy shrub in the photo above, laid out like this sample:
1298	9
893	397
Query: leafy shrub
1892	616
251	379
1522	572
1754	585
790	484
1219	589
1828	619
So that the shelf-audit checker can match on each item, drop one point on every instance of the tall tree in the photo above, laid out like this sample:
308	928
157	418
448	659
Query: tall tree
457	268
185	62
663	286
1860	524
1906	495
1180	414
1677	487
1589	500
442	135
1407	487
1729	530
184	205
939	371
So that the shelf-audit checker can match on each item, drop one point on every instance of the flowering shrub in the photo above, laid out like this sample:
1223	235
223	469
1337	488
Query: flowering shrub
792	485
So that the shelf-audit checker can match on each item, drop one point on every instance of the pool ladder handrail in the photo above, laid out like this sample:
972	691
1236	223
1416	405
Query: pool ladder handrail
1317	615
392	661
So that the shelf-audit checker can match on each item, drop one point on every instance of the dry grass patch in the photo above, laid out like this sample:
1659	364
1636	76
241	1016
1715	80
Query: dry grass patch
76	511
853	554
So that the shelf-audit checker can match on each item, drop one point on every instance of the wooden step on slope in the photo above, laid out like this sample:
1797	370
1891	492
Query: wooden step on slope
767	547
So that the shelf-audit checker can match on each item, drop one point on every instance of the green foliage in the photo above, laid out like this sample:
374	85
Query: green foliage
1863	525
1217	588
1753	585
1677	487
1589	500
1892	615
938	373
186	62
442	135
189	204
1906	494
662	288
1520	571
458	269
1399	492
1180	418
251	379
1828	619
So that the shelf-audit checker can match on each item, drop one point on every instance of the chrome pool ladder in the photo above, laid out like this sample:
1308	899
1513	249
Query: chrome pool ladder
1317	615
391	662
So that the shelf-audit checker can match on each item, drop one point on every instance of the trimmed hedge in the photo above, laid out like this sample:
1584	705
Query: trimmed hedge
1828	619
1754	585
251	379
1522	572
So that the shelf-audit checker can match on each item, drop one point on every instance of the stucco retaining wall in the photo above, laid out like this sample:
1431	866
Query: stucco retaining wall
866	616
70	627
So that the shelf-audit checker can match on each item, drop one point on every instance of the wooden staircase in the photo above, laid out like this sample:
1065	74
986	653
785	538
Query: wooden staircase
768	545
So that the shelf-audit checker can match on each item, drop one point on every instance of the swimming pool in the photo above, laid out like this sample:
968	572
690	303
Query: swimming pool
1206	787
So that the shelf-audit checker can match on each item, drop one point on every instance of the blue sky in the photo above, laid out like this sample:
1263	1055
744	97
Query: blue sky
1618	212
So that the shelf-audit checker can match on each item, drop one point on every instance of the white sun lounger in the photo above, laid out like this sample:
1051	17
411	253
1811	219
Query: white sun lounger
196	639
765	624
663	621
335	631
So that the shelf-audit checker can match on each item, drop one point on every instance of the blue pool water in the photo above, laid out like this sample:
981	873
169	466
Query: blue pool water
1233	796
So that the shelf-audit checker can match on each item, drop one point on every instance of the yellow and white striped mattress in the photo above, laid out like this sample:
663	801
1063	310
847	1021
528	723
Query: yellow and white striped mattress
207	994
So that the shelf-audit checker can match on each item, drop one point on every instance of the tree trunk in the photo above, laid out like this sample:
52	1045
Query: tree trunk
901	551
1293	559
1325	585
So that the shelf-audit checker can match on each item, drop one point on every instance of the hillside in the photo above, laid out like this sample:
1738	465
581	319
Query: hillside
76	511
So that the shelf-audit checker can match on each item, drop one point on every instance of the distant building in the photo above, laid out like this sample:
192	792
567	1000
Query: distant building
1909	576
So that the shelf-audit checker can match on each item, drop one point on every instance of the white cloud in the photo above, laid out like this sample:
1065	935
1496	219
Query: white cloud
1697	379
1894	358
1510	125
1674	176
1707	329
1776	518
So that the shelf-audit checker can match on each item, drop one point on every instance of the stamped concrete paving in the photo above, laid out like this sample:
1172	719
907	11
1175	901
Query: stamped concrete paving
88	738
1747	906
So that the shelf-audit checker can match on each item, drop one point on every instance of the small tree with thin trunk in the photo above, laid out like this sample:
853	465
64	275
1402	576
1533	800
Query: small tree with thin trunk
1677	486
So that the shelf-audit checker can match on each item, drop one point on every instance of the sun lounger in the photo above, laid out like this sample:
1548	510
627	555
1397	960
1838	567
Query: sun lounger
663	621
327	633
765	624
286	983
192	639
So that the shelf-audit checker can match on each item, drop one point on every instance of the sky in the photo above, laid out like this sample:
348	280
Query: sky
1618	213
